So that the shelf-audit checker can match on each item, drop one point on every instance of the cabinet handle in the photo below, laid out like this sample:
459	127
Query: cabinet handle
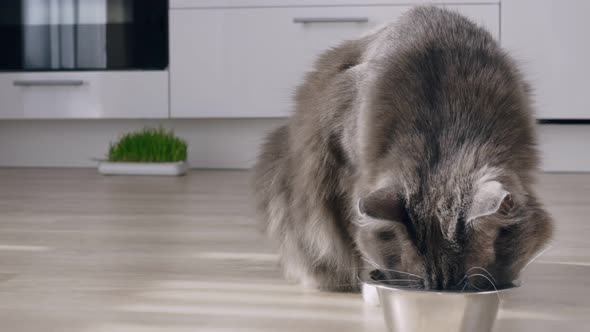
306	20
48	82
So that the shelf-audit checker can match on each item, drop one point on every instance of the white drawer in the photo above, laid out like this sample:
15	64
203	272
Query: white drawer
293	3
84	95
247	62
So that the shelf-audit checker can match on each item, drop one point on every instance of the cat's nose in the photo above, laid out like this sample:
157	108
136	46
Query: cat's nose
377	275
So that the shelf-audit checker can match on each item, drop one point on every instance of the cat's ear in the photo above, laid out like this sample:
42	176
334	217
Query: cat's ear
383	204
490	198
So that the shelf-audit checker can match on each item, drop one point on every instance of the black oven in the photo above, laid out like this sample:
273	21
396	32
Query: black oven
66	35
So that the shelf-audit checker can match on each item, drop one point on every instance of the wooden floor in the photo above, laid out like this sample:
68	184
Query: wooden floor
83	252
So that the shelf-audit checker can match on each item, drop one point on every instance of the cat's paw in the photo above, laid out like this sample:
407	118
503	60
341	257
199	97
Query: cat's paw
309	284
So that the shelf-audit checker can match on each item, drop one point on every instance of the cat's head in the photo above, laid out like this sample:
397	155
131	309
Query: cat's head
451	235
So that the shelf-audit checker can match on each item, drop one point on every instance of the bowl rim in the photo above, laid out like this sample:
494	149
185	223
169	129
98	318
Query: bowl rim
515	284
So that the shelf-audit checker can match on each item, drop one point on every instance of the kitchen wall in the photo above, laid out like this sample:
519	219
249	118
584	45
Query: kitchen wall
229	143
213	143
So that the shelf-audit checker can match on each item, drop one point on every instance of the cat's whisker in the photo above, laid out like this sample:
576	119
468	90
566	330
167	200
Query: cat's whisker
389	280
375	265
488	279
537	256
476	288
381	269
464	286
402	272
359	268
390	270
471	269
481	268
462	279
385	280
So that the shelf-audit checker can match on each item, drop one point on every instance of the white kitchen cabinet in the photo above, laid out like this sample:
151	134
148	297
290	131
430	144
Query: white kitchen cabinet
247	62
549	39
292	3
84	95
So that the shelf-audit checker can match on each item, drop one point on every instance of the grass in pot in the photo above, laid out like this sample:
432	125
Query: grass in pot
149	151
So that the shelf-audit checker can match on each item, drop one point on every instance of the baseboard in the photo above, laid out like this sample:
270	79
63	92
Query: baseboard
216	143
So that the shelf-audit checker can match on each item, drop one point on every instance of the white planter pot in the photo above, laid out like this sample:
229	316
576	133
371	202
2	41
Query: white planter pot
124	168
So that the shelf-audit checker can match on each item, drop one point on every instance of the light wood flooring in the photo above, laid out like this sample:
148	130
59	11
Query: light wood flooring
84	252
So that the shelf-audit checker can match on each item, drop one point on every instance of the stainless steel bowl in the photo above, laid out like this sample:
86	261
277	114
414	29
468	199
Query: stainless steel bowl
427	311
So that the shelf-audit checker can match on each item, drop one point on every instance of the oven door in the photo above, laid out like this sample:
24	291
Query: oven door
64	35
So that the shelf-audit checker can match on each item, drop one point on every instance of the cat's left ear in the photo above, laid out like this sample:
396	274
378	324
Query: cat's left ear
490	198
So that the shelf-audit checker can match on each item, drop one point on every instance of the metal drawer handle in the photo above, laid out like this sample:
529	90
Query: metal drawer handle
305	20
48	82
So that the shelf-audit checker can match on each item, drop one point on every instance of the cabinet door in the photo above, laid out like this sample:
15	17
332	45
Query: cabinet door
294	3
84	95
247	62
549	39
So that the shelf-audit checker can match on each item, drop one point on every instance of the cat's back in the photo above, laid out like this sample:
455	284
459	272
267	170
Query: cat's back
425	26
442	84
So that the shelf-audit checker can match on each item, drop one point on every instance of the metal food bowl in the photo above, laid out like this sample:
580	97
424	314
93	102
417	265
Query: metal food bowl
414	310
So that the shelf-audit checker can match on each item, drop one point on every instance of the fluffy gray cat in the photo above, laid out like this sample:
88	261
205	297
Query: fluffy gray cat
411	150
